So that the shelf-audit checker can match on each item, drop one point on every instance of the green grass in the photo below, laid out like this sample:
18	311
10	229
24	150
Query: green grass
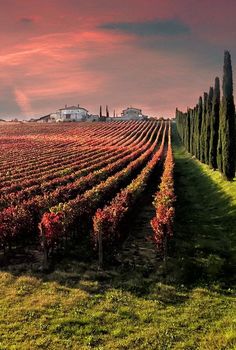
187	304
205	222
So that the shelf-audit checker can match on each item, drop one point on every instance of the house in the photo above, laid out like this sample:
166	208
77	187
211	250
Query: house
46	119
77	113
131	113
70	114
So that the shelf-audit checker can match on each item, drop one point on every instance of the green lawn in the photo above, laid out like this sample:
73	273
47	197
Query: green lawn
188	304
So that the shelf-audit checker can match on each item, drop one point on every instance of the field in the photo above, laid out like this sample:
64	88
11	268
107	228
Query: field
62	186
55	179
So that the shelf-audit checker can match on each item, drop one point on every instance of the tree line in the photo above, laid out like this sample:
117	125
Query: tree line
208	130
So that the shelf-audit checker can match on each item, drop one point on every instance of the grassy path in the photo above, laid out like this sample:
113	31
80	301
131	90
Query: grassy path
205	222
191	306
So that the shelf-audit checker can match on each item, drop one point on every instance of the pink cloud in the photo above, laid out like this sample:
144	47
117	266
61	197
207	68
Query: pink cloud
53	52
23	102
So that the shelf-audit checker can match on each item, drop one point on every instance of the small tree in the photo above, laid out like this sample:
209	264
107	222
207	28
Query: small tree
203	129
107	112
226	144
199	127
215	125
100	112
208	125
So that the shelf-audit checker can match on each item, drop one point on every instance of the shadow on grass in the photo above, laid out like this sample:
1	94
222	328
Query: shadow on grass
204	246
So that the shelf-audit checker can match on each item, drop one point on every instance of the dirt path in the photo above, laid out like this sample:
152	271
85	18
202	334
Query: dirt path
138	250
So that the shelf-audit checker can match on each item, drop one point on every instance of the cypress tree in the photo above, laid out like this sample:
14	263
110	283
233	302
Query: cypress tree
208	125
215	125
187	132
100	112
191	129
107	112
199	126
195	130
203	129
226	145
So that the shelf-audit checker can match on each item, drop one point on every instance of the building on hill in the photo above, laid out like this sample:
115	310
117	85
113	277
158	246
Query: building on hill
70	114
67	114
45	119
129	113
77	114
132	113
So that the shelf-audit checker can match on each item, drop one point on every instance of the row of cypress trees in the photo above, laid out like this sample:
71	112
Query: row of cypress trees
208	130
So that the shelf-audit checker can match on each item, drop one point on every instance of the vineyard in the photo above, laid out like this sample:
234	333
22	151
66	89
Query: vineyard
103	237
117	175
65	184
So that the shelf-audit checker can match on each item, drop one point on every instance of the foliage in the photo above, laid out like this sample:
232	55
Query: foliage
227	137
208	131
162	223
107	223
215	125
110	158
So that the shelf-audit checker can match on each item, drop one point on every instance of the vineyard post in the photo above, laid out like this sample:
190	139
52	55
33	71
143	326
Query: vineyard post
164	245
45	250
100	249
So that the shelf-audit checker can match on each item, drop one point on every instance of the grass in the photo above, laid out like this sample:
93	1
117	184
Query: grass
189	304
205	221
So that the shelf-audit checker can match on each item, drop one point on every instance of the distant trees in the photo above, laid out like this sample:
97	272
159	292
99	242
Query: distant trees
215	125
107	112
208	131
103	117
203	129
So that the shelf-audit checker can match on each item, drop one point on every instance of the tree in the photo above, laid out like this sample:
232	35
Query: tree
199	127
226	144
208	125
187	130
100	112
215	125
203	129
107	112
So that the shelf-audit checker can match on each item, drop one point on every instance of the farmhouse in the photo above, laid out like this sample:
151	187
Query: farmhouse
131	113
77	114
45	119
72	113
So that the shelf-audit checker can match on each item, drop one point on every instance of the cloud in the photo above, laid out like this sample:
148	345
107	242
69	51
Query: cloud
203	54
169	27
159	54
26	20
23	102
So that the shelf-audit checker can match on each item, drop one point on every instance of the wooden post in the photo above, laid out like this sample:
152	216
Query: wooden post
165	247
100	250
45	250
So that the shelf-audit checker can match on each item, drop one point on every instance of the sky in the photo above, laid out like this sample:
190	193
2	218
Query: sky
151	54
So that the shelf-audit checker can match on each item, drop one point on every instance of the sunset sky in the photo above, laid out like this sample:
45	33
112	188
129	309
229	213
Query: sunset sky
152	54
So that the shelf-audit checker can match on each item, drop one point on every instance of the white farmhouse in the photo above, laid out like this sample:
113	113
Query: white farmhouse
71	114
132	114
